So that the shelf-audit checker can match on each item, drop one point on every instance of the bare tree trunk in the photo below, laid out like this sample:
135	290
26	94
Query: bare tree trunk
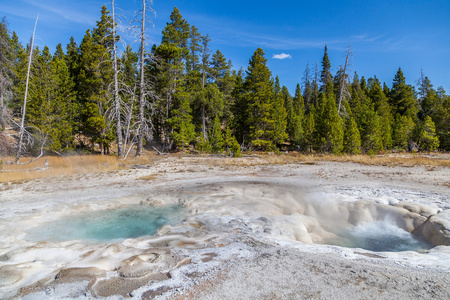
316	80
205	135
128	116
205	58
141	85
2	102
167	140
3	113
116	88
343	78
22	122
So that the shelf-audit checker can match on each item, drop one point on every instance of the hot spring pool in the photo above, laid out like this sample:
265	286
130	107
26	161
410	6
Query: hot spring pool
108	225
380	236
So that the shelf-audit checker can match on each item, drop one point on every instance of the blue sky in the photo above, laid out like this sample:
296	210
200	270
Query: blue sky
385	34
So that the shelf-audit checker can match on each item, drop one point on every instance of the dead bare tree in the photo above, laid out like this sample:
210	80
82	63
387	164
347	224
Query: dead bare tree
117	101
143	123
129	138
22	122
343	91
129	122
316	83
307	91
119	113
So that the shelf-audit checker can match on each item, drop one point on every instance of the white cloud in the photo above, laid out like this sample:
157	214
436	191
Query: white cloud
281	56
69	12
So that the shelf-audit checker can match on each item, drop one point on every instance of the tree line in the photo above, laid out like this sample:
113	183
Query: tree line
182	95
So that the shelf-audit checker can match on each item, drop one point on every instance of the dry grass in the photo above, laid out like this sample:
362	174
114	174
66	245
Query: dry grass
148	177
72	165
68	166
404	159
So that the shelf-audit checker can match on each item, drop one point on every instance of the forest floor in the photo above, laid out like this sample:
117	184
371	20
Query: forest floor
244	235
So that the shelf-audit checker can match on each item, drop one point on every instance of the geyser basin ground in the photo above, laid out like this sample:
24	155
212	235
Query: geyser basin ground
251	232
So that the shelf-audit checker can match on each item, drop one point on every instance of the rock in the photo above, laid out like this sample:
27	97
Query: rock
150	201
156	261
418	208
151	294
124	286
159	199
78	274
412	221
437	229
404	218
143	167
9	276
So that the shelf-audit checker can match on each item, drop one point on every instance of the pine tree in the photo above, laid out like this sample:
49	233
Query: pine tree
386	90
328	123
173	53
231	145
403	129
207	102
19	74
309	129
259	93
371	131
277	120
51	98
73	59
442	116
325	75
205	70
193	63
40	93
428	98
193	77
296	112
219	69
201	144
383	110
288	105
7	58
352	138
181	121
369	122
240	123
428	140
402	97
357	99
93	80
221	75
64	110
216	136
177	32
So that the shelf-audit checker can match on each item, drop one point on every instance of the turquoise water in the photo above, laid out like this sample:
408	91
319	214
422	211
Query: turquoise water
108	225
381	236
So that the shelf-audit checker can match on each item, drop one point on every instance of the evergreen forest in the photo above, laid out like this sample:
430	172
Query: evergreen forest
181	95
